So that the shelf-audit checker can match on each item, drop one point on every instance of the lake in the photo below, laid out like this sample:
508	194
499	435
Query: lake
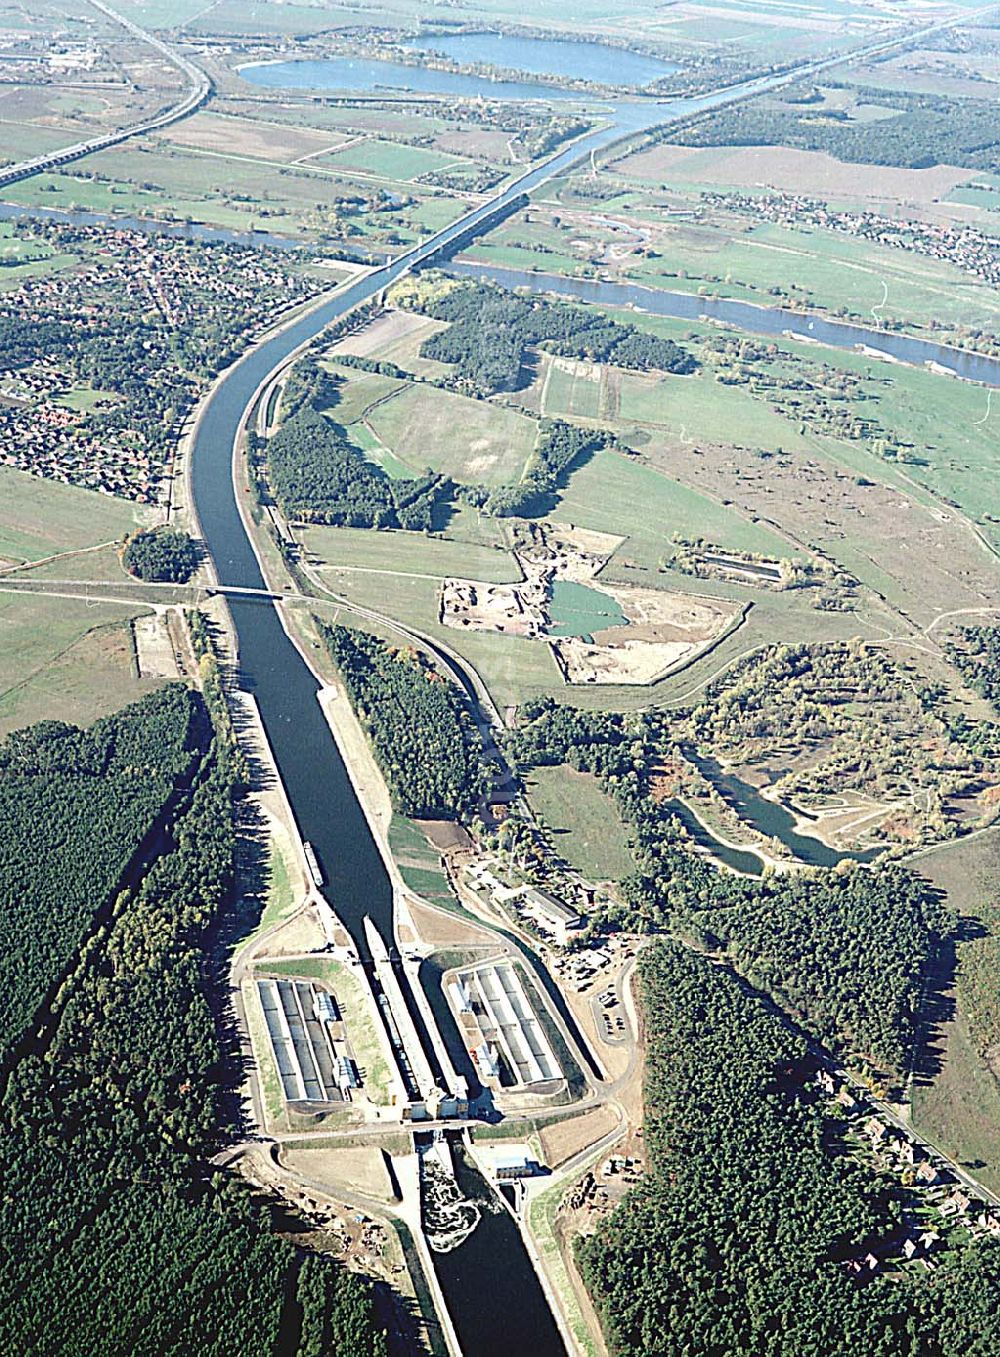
771	817
593	61
366	75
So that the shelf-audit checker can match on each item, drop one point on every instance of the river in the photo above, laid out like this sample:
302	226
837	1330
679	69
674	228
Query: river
319	788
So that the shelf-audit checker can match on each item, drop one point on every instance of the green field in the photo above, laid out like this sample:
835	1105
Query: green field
65	660
612	493
585	825
390	160
39	518
575	393
357	391
472	441
407	553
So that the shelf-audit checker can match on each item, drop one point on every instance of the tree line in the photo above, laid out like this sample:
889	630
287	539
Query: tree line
929	129
422	731
75	805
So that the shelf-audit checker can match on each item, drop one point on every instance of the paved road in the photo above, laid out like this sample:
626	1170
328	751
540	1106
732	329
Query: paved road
197	91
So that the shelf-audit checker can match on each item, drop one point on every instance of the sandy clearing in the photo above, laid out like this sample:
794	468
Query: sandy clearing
154	647
386	329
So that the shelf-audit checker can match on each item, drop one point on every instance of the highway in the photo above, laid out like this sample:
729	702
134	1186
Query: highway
199	87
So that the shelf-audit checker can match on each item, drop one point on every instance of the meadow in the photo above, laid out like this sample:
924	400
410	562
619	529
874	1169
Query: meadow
39	518
583	821
66	660
469	440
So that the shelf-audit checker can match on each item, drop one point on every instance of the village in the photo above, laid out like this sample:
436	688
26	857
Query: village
125	327
968	249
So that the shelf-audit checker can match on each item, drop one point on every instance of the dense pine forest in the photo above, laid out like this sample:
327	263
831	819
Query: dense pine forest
115	1235
490	329
74	807
930	129
422	732
742	1235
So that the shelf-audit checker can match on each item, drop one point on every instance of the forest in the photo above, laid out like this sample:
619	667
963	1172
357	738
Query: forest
317	475
422	731
75	805
740	1237
976	655
930	129
490	329
115	1235
844	950
163	555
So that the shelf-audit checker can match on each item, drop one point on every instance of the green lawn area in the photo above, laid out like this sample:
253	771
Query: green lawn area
40	517
612	493
84	398
585	824
574	393
410	553
378	454
281	893
469	440
390	160
357	391
62	660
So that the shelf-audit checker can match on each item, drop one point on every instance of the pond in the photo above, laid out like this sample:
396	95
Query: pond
771	817
740	860
593	61
577	610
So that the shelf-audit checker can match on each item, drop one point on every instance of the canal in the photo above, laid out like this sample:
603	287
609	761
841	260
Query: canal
489	1282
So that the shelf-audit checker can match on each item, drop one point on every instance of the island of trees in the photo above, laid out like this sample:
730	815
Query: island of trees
164	555
490	329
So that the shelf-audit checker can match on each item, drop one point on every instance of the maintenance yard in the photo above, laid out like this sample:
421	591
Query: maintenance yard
500	1026
307	1039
